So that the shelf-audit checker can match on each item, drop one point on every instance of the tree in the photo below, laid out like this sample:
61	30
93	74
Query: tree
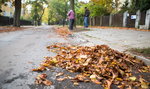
125	7
108	4
116	4
17	13
72	4
37	11
57	10
142	5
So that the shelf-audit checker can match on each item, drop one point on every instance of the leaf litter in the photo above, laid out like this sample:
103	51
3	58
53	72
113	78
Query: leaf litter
98	64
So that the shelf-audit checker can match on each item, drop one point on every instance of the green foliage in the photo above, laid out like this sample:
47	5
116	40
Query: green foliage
95	9
124	7
57	10
37	10
142	5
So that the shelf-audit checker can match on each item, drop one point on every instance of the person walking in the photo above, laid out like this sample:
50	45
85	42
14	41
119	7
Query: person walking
71	18
86	17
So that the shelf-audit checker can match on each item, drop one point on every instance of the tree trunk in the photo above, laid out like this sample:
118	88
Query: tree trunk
40	18
72	4
17	13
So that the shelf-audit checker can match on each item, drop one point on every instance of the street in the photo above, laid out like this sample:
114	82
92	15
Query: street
21	51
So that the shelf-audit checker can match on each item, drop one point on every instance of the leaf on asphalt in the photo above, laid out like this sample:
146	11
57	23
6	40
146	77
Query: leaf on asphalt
42	76
59	74
95	81
80	78
61	79
41	68
76	83
45	64
41	79
47	82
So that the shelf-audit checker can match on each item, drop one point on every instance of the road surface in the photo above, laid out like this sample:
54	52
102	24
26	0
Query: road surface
21	51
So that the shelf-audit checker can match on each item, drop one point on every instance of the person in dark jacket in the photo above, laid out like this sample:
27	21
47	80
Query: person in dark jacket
86	17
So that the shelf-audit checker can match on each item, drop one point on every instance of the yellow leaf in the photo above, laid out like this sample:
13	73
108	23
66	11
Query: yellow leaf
93	76
132	78
119	79
76	83
144	85
45	64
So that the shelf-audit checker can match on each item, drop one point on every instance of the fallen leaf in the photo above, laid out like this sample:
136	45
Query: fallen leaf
61	79
93	76
98	64
144	84
41	68
96	81
132	78
47	82
59	74
76	83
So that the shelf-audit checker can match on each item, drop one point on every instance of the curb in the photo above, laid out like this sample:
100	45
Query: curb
145	60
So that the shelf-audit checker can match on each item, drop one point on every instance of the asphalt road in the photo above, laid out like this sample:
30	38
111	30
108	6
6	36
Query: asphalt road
21	51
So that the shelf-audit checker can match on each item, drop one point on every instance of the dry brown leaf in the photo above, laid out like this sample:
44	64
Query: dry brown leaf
99	64
95	81
108	84
59	74
41	68
42	76
76	83
87	62
61	79
47	82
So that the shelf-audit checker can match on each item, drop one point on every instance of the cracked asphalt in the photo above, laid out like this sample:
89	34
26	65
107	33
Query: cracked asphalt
21	51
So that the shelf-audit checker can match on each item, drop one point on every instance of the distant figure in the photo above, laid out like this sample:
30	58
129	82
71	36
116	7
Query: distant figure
71	18
63	22
86	17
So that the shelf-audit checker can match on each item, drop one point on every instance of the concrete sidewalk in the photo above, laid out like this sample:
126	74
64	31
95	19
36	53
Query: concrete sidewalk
117	39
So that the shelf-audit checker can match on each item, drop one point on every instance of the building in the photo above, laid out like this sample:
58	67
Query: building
7	9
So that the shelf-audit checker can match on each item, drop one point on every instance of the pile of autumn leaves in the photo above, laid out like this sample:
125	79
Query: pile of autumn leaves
63	31
98	64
